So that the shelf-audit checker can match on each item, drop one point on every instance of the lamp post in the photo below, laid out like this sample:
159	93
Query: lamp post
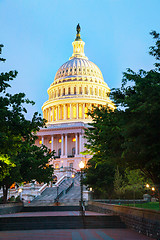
81	166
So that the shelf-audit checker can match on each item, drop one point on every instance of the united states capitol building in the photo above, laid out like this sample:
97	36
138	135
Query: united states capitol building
77	87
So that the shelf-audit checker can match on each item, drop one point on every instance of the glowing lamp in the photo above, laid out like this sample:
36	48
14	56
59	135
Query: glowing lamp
72	175
90	189
60	140
74	140
147	185
50	141
153	189
40	142
81	165
20	190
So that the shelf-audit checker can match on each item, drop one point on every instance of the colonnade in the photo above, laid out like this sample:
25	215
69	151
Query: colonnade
83	90
64	144
67	111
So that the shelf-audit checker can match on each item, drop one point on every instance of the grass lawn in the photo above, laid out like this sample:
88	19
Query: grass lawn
150	205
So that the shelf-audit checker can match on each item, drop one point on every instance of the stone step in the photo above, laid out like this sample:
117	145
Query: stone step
50	208
60	222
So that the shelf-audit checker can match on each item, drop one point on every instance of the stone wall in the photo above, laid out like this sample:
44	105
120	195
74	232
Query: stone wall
142	220
10	208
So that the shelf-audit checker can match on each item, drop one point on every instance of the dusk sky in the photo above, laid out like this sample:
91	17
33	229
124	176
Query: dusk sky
38	36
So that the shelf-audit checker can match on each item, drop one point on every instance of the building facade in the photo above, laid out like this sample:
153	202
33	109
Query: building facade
78	86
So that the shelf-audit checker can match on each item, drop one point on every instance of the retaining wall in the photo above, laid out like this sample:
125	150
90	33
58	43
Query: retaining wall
10	208
142	220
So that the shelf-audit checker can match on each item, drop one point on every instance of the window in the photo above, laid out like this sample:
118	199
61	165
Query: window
59	152
74	90
73	151
80	90
85	90
63	91
71	165
69	90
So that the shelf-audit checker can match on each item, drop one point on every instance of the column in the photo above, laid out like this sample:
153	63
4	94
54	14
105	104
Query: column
76	150
62	145
49	114
58	112
53	113
52	138
77	111
65	145
83	115
42	140
80	142
70	111
64	111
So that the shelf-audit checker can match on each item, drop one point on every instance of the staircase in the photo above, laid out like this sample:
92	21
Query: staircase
49	195
67	193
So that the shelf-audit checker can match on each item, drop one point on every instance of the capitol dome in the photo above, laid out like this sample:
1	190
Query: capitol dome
78	86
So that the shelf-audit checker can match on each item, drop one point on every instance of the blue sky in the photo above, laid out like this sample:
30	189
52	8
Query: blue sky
38	36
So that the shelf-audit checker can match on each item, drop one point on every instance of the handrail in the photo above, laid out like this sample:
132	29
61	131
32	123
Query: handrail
60	180
42	188
70	186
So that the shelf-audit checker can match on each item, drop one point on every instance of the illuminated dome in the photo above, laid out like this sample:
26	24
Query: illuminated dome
78	67
77	86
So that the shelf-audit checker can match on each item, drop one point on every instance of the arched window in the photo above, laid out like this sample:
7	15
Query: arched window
59	152
95	91
73	151
99	92
74	90
63	91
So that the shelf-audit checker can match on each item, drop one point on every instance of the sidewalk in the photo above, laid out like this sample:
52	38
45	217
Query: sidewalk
72	234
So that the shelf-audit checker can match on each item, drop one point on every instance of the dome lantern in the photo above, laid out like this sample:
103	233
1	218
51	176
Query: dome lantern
78	46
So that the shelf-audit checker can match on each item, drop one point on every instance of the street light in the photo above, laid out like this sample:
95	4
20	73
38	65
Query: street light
81	166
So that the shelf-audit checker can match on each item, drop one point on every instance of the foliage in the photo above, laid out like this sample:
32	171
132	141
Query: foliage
119	185
100	177
103	142
5	166
130	136
140	98
149	205
20	159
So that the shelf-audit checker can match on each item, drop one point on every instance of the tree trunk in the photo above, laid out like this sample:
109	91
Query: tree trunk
5	192
158	188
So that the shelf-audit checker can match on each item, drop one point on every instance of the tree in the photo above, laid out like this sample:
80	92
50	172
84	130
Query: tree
129	136
20	160
139	101
104	143
119	188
